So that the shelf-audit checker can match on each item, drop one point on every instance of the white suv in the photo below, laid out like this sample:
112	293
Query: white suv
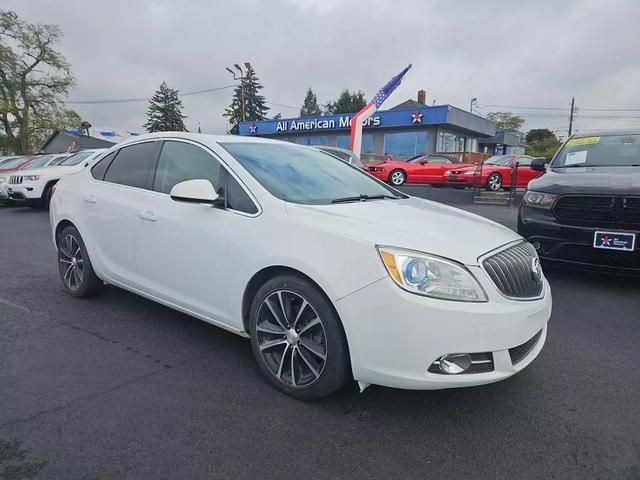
35	186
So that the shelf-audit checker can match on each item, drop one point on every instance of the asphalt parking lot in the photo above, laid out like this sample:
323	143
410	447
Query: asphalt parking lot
118	387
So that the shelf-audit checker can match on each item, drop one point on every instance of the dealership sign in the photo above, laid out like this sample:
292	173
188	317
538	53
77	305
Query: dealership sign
389	118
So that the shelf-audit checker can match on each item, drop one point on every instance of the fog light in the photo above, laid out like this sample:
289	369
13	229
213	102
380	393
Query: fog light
537	245
455	363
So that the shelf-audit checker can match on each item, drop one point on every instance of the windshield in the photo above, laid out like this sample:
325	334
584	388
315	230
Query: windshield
369	158
75	159
12	162
604	151
301	175
38	162
500	160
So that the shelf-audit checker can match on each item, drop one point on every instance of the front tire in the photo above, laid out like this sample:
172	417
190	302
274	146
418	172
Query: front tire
297	338
76	271
397	178
494	182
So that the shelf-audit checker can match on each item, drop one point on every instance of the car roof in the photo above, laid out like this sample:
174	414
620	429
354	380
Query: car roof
202	138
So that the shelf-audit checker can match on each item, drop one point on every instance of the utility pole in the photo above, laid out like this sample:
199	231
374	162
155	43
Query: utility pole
474	100
573	101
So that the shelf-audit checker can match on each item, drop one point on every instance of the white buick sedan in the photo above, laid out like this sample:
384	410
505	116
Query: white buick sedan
333	275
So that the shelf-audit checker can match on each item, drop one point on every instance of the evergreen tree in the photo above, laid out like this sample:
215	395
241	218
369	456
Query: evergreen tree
347	102
310	107
255	107
165	111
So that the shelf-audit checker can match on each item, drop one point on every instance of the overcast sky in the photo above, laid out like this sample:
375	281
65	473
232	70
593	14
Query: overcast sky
533	54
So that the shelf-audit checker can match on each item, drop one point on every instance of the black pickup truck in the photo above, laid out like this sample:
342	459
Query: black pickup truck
586	208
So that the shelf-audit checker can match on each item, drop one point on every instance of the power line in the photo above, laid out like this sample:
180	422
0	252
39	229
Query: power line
564	108
144	99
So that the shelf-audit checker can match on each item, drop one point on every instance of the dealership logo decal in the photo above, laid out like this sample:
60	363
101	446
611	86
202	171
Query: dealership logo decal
536	271
416	117
253	129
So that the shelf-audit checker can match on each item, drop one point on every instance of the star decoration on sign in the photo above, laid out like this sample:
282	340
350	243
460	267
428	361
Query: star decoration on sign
606	241
417	117
253	129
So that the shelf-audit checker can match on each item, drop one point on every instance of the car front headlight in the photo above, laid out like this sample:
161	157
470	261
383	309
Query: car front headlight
3	179
31	178
539	200
430	275
470	172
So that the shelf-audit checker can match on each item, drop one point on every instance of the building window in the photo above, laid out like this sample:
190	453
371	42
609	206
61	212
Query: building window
447	142
342	141
405	144
314	140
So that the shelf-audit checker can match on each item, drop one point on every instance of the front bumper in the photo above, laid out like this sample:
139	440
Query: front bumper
24	191
573	244
384	176
395	336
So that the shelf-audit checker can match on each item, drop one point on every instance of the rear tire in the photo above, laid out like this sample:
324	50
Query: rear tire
297	338
74	265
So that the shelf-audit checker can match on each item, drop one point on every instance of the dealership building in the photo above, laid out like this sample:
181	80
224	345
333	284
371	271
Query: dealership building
407	129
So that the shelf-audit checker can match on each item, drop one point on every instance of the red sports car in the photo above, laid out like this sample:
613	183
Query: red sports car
495	174
423	169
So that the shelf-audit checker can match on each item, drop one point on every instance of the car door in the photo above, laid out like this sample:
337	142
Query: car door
182	248
120	183
437	167
417	170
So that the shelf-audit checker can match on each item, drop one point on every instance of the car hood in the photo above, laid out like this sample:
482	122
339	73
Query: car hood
411	223
589	180
55	171
464	167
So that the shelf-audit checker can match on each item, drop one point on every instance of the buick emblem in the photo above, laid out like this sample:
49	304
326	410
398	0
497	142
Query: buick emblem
536	271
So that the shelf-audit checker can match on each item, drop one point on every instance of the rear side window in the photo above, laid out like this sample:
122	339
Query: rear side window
180	162
100	168
133	165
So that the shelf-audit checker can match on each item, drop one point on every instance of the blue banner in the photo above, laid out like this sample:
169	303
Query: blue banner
381	119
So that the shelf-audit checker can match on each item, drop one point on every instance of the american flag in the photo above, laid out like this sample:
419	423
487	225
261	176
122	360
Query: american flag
370	108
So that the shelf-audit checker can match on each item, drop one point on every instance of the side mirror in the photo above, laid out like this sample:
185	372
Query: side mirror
538	165
196	191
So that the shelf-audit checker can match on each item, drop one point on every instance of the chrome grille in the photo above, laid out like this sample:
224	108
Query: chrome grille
512	271
15	180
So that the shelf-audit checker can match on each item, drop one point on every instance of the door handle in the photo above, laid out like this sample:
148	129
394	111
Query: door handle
148	215
90	199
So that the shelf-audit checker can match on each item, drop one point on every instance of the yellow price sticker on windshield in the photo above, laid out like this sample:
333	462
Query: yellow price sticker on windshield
583	141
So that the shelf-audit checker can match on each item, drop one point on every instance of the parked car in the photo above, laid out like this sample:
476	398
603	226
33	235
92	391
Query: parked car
586	209
343	154
9	165
423	169
494	174
43	161
332	274
35	186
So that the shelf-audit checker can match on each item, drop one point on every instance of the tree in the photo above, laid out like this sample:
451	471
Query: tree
347	102
537	135
255	105
43	126
542	142
310	106
165	111
34	77
506	120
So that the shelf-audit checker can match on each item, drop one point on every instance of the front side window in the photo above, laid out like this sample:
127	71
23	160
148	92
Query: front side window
75	159
133	165
180	162
302	175
524	161
435	160
100	168
402	145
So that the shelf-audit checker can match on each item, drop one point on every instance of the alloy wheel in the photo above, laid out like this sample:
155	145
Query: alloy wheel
397	178
494	182
291	339
71	261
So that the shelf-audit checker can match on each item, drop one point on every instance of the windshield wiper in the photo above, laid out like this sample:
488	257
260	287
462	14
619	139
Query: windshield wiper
363	198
